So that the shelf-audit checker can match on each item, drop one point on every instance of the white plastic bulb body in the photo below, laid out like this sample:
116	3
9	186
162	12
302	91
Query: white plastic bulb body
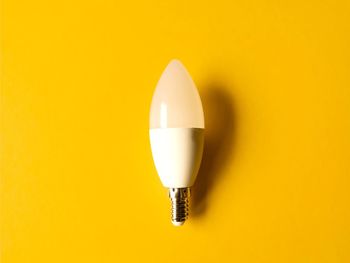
177	135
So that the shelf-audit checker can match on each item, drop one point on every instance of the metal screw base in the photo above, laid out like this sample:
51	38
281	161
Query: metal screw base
179	205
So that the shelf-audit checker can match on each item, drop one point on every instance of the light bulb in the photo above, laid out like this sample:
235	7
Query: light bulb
177	135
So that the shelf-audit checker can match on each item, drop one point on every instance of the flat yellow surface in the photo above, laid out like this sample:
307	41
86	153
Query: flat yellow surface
78	182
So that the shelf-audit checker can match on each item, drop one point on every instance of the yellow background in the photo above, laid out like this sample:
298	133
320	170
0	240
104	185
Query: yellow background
78	182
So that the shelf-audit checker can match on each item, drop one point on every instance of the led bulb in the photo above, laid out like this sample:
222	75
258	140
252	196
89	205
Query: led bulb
177	135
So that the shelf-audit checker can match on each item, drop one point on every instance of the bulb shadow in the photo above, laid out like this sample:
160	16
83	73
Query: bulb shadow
218	143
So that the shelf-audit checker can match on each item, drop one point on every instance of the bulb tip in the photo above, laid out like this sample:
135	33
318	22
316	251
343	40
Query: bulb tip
175	63
175	60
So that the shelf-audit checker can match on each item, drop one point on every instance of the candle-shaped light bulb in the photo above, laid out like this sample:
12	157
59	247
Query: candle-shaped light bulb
177	135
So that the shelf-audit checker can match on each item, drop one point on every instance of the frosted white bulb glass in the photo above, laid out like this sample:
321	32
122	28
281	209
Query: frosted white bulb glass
177	135
176	102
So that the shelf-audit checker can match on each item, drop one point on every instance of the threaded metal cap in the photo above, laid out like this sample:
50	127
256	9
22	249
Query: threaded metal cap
179	205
